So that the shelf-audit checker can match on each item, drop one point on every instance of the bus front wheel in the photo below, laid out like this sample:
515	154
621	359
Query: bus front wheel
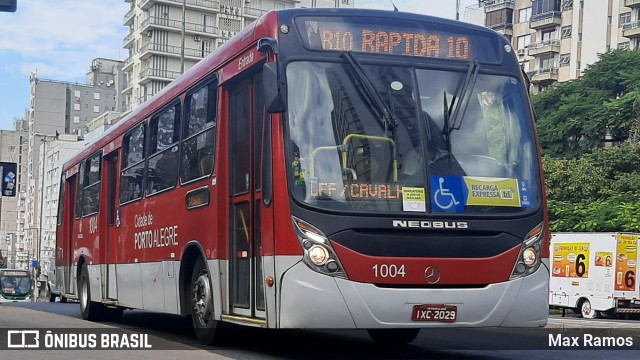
393	336
202	315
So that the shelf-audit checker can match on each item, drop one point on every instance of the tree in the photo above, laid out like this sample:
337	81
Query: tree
577	117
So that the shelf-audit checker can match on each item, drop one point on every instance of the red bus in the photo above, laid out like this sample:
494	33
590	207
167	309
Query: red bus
342	169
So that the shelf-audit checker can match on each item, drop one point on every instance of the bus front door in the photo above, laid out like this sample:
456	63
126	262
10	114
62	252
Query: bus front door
108	242
246	280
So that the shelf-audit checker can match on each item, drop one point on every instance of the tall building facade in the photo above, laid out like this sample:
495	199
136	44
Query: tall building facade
53	154
160	49
59	107
556	40
16	254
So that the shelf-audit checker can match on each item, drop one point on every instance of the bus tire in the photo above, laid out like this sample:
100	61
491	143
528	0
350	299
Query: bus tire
587	311
203	319
393	336
90	310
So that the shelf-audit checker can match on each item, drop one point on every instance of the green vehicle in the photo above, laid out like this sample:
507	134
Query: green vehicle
15	285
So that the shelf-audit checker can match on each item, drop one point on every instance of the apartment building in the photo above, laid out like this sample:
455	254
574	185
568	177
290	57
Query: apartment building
58	107
11	144
555	40
53	154
161	46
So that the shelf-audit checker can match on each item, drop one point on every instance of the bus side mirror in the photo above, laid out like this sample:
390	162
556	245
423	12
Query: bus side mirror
273	93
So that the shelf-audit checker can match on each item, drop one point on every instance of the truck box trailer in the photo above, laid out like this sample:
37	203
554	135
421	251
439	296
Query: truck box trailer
595	273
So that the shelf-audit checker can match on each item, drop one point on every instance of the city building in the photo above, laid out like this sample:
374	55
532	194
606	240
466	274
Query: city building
58	108
162	46
12	142
53	155
556	40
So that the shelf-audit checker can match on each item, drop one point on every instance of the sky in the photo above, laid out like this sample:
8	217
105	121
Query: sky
58	40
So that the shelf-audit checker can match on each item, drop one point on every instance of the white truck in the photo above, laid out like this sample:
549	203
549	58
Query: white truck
595	273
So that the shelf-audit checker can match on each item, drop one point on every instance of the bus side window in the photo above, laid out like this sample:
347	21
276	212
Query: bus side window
132	165
198	132
162	167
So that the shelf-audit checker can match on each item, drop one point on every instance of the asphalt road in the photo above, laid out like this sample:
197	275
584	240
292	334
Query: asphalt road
174	335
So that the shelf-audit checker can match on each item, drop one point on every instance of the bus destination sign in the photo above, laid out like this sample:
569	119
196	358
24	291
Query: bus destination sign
409	39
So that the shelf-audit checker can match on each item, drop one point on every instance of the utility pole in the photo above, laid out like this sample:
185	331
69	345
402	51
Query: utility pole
457	9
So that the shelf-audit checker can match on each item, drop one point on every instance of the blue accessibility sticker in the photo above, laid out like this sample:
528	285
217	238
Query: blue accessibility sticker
447	194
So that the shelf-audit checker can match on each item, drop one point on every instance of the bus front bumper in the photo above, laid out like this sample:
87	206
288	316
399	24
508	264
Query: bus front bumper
312	300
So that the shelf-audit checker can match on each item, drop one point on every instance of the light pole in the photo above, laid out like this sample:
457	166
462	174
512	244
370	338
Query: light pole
457	9
44	141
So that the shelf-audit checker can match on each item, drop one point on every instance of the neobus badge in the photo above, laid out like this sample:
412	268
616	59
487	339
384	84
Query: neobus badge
425	224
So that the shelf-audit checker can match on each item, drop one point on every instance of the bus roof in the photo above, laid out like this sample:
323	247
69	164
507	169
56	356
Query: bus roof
265	26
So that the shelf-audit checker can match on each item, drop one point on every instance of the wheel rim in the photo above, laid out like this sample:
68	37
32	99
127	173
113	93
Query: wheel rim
202	299
85	294
586	308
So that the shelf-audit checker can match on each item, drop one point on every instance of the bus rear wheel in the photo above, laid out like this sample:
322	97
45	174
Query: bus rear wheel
90	310
205	326
393	336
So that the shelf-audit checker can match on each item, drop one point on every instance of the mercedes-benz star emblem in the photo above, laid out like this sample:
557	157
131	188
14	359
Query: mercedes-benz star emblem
432	275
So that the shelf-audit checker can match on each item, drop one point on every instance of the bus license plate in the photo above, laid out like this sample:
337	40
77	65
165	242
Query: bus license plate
434	312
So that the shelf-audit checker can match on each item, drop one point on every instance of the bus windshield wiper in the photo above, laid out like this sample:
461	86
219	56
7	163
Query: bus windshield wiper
454	112
372	93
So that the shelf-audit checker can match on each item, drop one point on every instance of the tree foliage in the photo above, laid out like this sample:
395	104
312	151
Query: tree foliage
577	117
591	187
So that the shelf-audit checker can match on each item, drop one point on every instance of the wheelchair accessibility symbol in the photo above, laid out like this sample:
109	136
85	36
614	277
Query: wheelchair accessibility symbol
448	195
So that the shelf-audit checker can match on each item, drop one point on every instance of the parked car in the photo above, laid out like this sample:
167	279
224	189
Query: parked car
54	290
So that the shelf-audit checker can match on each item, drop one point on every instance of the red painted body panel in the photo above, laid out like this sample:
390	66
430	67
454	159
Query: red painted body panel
455	271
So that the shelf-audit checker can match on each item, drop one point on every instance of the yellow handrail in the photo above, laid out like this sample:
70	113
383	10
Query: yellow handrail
376	138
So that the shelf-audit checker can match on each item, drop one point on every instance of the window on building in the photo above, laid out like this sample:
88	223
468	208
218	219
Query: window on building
548	35
346	2
76	119
565	32
278	6
548	61
565	60
523	42
76	93
498	18
543	8
625	19
524	15
76	106
205	47
624	45
96	108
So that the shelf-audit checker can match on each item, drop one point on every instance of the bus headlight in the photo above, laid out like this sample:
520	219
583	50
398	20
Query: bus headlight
528	260
529	257
318	253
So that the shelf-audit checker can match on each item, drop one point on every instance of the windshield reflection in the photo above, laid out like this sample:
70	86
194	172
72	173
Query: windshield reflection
345	155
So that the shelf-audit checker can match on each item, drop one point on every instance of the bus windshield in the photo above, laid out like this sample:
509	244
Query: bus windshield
15	283
402	139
